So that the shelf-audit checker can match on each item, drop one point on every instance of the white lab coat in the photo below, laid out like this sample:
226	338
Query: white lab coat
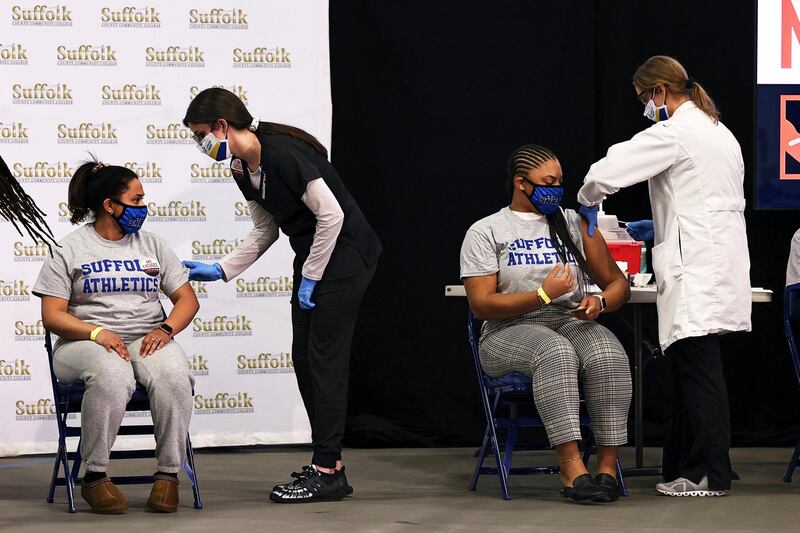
695	171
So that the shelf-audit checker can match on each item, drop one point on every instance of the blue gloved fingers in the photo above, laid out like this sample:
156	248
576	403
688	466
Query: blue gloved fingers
304	294
590	215
641	230
199	271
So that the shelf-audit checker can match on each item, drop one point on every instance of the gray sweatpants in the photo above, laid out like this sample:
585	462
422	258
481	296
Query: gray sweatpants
110	382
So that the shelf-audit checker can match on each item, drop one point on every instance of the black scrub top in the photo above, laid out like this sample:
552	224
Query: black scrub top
288	165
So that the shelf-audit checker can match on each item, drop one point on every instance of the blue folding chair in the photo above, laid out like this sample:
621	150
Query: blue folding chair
791	313
68	398
512	390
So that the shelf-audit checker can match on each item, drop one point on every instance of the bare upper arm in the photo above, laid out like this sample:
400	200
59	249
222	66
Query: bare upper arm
52	305
184	291
602	267
479	287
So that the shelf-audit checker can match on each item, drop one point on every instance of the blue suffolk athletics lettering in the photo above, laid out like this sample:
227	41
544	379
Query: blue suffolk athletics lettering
527	252
134	283
123	284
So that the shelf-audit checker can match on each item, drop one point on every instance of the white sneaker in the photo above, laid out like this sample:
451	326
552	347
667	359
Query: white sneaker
684	487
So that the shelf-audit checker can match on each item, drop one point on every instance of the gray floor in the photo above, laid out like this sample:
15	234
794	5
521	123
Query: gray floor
405	490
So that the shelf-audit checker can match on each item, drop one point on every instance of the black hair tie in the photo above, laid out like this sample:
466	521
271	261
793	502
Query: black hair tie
689	83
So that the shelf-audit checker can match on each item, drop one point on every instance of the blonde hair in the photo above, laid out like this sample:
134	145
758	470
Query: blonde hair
667	71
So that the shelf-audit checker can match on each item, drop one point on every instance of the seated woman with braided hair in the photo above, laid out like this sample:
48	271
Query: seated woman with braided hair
523	270
100	295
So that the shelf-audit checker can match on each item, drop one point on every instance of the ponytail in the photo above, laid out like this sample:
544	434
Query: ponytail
215	103
91	184
704	102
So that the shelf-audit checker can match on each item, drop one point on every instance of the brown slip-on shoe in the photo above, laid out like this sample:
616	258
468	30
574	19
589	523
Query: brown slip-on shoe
164	495
103	497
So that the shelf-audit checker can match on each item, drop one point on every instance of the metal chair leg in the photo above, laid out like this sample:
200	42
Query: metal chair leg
623	489
473	484
501	469
787	477
191	471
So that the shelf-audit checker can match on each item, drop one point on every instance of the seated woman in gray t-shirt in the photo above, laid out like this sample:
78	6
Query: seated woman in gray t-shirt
523	269
99	294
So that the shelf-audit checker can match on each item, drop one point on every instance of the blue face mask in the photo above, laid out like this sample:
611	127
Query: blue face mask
545	198
132	217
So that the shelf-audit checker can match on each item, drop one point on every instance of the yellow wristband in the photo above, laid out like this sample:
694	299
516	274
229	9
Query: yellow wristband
95	332
543	295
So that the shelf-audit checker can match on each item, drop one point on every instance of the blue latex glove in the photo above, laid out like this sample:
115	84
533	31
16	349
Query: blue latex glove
304	293
641	230
590	214
203	271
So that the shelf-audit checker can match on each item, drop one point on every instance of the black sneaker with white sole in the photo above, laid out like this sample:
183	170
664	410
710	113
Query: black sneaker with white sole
311	485
309	469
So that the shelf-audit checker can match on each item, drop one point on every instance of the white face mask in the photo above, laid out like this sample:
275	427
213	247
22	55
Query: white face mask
656	113
216	149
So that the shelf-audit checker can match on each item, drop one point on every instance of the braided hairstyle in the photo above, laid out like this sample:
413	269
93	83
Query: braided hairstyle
524	159
17	206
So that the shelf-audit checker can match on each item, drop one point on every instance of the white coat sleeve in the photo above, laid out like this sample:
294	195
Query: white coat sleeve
330	218
646	155
261	237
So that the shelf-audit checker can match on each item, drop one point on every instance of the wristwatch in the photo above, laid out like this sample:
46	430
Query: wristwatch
602	301
166	328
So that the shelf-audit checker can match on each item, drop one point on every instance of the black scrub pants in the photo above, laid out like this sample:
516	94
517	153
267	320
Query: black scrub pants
321	354
698	433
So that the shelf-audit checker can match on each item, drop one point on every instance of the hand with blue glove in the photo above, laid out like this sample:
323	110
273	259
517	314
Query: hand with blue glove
203	271
590	214
641	230
304	293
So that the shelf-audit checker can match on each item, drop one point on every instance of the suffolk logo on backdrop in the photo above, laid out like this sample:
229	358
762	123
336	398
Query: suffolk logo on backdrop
218	19
41	15
14	290
198	364
265	363
43	172
174	133
175	56
130	94
176	211
241	212
261	57
130	17
87	133
41	94
223	403
216	249
86	55
211	173
222	326
13	133
26	253
28	331
15	370
264	286
146	171
13	54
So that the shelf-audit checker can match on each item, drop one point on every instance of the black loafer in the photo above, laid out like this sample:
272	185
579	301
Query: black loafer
583	490
608	484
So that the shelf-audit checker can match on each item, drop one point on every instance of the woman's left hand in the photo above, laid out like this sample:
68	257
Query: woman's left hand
153	341
591	311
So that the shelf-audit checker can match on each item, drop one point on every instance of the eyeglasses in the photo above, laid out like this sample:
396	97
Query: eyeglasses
643	97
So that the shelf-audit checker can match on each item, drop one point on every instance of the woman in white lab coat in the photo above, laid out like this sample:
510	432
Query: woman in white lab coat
694	169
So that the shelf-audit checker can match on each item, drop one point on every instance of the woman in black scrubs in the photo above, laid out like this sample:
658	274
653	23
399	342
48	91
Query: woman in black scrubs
284	174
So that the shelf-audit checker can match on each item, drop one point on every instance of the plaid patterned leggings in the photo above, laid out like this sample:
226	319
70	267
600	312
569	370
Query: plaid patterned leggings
555	350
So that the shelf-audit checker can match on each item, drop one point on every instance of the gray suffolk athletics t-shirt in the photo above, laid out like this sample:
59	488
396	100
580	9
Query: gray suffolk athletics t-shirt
521	253
113	284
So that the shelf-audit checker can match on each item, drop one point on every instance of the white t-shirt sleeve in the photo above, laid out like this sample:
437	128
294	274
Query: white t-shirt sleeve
646	155
261	237
319	198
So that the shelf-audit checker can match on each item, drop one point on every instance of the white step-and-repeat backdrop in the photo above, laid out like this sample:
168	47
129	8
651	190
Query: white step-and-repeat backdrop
114	79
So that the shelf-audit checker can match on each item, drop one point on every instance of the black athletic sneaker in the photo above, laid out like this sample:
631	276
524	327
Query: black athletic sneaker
308	470
311	486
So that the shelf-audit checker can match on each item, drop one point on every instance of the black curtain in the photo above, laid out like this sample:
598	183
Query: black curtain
430	98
